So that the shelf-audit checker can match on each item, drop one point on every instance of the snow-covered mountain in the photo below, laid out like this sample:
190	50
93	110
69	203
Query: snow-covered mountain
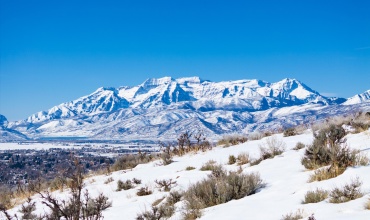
7	134
360	98
162	108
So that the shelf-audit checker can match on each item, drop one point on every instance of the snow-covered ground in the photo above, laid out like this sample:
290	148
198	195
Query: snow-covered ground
285	178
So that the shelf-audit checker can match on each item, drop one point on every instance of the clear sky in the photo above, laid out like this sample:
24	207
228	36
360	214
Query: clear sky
56	51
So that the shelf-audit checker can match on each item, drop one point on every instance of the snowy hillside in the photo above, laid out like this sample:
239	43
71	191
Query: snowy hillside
161	108
285	178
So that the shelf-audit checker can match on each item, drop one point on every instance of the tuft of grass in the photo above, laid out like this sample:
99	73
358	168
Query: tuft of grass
136	181
325	174
144	191
209	166
349	192
293	216
161	212
189	168
290	132
367	204
174	197
315	196
299	146
124	185
109	180
232	160
243	158
272	148
129	161
232	140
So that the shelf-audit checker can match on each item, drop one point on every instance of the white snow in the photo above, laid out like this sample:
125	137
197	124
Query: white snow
285	178
360	98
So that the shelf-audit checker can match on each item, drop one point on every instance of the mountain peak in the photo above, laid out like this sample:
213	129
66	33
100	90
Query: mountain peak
158	81
359	98
194	79
3	121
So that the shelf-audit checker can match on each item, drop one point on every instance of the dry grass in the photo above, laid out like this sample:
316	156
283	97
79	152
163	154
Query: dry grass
315	196
124	185
294	216
232	159
231	140
209	166
109	180
325	174
157	201
189	168
299	146
144	191
367	204
242	158
362	159
347	193
271	148
218	189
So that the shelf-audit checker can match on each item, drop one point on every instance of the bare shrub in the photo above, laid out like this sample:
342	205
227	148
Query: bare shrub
290	132
124	185
157	213
109	180
186	142
293	216
165	185
349	192
315	156
232	140
232	160
367	204
329	148
220	189
189	168
271	148
78	206
299	146
136	181
166	158
254	162
59	183
27	209
362	159
209	166
256	136
144	191
174	197
243	158
129	161
315	196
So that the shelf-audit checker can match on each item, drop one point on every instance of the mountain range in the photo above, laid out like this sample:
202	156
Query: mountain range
164	107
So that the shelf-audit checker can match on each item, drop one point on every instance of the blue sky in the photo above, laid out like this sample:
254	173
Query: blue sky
56	51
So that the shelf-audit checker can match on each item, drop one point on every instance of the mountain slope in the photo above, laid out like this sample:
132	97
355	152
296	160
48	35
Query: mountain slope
7	134
161	108
360	98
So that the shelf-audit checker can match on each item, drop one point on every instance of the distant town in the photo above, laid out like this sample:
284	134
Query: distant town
18	166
